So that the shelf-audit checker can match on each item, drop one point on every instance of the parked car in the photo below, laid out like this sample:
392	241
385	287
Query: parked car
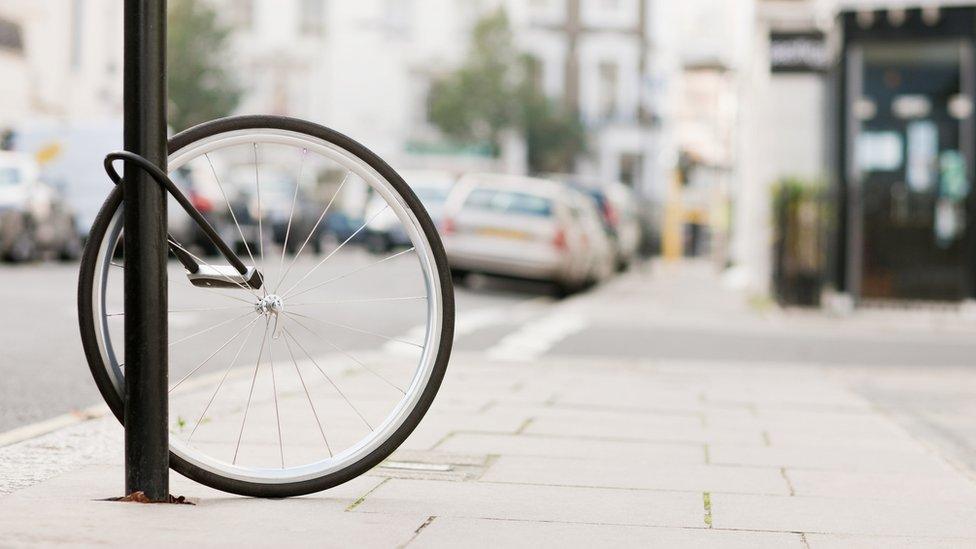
601	254
278	206
518	227
617	205
181	226
34	217
385	232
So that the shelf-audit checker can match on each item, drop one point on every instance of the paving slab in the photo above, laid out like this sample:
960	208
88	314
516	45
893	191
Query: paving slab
826	457
636	474
449	532
840	541
897	516
535	503
526	444
910	485
67	510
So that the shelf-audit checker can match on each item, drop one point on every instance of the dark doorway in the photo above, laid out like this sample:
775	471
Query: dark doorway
910	142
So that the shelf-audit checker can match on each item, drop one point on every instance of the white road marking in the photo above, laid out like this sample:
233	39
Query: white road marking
473	321
535	338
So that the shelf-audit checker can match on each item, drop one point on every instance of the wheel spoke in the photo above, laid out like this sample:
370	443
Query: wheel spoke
223	378
257	183
308	396
294	201
367	300
328	378
360	330
231	210
352	272
205	330
274	391
346	353
312	232
339	247
206	360
250	393
197	310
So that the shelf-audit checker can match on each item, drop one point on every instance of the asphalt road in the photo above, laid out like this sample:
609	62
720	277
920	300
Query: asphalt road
43	372
916	366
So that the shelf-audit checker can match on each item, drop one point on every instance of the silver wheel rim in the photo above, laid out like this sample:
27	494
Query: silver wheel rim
434	321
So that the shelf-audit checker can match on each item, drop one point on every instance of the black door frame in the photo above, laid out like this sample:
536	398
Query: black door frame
860	28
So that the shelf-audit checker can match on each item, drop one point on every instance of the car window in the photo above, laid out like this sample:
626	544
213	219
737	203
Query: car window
431	195
9	176
509	202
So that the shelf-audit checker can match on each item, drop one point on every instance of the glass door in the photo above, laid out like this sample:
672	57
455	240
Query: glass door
910	155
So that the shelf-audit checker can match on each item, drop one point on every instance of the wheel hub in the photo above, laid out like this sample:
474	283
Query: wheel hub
269	305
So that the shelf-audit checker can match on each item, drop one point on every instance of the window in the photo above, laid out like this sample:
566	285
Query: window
9	177
508	202
242	14
630	169
312	17
77	32
399	16
11	38
609	82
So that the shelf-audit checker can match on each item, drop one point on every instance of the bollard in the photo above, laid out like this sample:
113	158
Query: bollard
146	250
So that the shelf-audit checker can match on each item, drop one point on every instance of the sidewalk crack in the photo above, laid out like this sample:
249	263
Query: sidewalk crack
363	497
525	425
416	532
789	483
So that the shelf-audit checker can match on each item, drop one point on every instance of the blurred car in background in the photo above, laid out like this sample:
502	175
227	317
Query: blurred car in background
385	232
34	217
601	254
281	205
518	227
617	205
206	200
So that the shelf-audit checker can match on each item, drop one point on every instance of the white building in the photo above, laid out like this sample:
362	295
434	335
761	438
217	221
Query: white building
365	68
611	61
67	62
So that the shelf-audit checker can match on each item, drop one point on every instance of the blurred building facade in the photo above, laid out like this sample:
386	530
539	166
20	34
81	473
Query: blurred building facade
60	59
366	67
363	68
866	108
607	60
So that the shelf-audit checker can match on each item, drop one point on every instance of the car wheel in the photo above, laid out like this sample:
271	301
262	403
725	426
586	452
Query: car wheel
459	276
23	249
71	250
378	243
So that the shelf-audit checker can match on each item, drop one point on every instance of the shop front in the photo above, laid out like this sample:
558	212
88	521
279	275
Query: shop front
905	218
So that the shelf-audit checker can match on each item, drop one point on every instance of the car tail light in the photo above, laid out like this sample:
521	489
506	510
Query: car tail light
559	240
201	203
448	226
610	213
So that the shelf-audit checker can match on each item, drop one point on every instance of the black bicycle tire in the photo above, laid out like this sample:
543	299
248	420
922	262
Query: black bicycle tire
277	490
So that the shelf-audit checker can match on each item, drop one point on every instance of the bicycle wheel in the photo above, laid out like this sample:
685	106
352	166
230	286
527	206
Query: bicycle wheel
321	373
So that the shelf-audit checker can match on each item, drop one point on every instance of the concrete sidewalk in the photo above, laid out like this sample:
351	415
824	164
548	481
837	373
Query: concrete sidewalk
555	452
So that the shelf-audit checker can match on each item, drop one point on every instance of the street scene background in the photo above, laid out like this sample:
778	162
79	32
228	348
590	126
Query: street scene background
711	258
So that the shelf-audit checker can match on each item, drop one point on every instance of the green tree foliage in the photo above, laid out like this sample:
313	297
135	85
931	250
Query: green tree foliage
201	87
492	92
554	135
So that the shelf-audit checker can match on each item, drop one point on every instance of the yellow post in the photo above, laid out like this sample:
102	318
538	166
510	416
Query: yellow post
672	235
